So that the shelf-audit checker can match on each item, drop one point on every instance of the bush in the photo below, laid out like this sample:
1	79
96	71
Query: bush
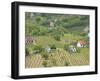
78	50
35	31
44	63
27	52
38	48
66	47
54	61
83	34
66	64
44	55
53	46
57	37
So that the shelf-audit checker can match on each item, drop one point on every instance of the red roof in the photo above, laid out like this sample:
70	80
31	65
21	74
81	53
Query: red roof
82	42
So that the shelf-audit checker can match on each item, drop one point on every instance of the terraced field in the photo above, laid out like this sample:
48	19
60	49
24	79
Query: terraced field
33	61
59	58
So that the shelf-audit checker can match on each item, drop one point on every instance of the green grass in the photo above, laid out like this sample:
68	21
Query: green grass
72	37
48	40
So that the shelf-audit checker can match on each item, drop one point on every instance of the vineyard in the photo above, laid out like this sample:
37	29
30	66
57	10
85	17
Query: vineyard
58	58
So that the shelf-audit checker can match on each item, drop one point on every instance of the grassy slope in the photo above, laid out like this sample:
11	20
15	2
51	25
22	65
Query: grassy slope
60	55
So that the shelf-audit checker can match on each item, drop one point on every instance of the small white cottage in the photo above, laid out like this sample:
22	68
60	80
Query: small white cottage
72	49
48	49
51	24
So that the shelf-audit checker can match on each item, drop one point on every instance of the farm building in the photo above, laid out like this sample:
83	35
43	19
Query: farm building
72	49
51	24
48	49
81	43
30	40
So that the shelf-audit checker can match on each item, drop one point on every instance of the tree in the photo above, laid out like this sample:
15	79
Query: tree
43	31
57	37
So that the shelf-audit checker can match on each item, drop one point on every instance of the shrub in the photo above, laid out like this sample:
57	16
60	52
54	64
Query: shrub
53	46
54	61
66	47
44	63
27	52
78	50
44	55
66	64
38	48
57	37
83	34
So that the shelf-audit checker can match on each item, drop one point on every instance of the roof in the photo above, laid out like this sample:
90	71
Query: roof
29	38
82	42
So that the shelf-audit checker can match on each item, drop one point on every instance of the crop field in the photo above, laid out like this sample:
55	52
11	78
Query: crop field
60	58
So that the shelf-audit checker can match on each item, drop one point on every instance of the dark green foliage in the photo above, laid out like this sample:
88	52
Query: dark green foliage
44	63
37	24
83	34
44	55
53	46
66	47
66	63
38	48
57	37
54	61
35	31
27	52
43	31
38	19
78	50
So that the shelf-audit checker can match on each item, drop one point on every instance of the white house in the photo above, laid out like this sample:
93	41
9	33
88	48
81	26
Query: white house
51	24
81	43
48	49
72	49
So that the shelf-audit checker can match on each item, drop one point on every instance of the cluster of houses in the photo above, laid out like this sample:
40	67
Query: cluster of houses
72	47
30	40
79	44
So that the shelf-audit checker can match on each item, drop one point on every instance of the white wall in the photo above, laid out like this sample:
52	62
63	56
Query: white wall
5	38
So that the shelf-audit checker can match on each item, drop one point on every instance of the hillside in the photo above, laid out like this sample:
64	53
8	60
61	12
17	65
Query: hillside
43	22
